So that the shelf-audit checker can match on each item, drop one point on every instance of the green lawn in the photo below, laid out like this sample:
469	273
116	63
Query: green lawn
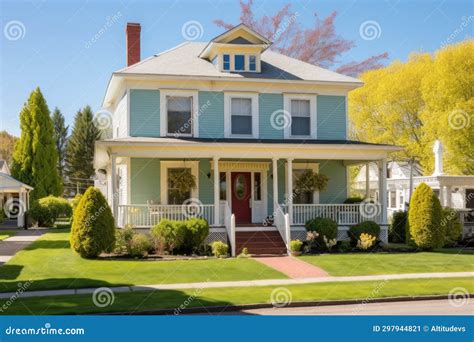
5	234
385	263
51	264
81	304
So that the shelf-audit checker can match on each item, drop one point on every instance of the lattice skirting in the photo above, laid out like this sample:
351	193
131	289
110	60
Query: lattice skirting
216	234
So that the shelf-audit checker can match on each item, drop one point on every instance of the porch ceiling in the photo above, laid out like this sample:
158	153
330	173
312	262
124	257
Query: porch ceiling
248	149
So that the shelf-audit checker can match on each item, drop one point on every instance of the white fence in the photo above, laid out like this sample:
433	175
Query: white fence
341	213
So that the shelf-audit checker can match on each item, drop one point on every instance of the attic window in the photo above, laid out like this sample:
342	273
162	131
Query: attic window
226	62
239	62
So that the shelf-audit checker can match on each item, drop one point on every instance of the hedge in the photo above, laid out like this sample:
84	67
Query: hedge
325	227
368	227
398	227
47	210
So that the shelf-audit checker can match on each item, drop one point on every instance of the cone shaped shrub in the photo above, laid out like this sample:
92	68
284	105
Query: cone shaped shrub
424	218
93	227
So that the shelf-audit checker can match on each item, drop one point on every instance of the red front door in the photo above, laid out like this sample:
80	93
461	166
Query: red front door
241	196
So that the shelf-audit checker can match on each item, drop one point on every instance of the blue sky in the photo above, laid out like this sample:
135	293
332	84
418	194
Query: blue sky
55	48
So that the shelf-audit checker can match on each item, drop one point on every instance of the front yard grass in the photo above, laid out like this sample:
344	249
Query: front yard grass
391	263
50	264
150	300
5	234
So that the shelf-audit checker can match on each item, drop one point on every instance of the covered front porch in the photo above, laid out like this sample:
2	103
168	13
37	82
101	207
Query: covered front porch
239	187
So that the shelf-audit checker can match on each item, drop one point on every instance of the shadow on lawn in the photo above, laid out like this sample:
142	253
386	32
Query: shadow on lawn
48	244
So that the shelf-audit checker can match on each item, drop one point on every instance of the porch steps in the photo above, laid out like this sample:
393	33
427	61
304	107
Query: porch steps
260	242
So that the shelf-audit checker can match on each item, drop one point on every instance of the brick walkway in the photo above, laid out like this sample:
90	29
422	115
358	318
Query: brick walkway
293	267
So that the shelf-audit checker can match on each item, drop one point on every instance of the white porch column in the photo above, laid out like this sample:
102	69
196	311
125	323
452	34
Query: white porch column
215	160
449	196
20	220
275	184
441	194
383	190
289	183
114	188
367	180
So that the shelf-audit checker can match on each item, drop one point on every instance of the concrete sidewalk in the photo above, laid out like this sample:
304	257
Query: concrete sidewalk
244	283
10	246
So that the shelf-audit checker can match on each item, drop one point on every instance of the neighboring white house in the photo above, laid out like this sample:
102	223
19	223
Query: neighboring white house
453	191
14	195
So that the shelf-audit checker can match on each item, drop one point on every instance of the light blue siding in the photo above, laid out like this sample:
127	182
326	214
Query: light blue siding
268	104
206	184
211	114
336	191
331	120
144	113
144	180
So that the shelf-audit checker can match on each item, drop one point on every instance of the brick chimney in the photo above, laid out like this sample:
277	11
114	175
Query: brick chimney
132	33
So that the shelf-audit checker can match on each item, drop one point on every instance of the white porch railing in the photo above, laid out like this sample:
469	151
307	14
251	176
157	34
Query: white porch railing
146	216
282	222
341	213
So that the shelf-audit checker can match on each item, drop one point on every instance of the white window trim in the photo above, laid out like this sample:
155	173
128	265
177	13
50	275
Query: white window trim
164	112
313	115
303	166
165	165
227	114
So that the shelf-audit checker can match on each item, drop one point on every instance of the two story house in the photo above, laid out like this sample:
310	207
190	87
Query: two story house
245	122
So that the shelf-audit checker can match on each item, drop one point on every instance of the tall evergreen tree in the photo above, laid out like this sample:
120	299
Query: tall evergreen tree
80	149
60	137
35	156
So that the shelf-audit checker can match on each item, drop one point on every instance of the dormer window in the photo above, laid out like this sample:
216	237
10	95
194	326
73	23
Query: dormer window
239	62
226	62
252	63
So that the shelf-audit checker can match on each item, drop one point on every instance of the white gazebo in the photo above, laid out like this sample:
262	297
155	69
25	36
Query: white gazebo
14	198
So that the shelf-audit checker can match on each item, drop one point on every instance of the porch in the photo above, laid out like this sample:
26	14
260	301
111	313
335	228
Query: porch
239	187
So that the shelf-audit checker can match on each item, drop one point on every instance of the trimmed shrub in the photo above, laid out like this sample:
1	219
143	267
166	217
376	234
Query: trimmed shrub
452	226
123	237
197	229
295	245
168	235
219	249
398	227
367	227
93	228
424	216
46	210
324	227
352	200
139	245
